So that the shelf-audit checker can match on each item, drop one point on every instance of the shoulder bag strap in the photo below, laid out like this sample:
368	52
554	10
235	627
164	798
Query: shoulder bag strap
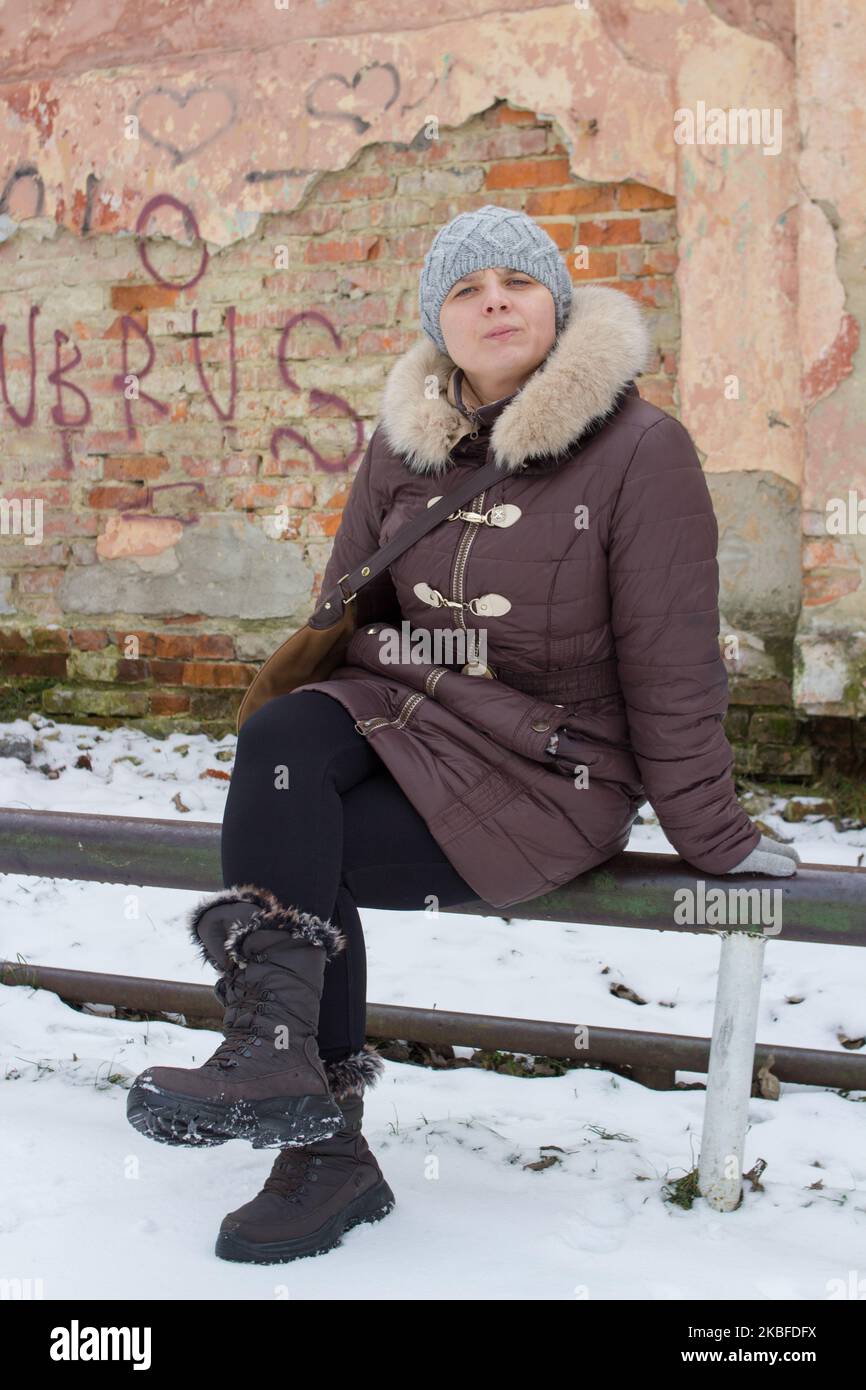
330	610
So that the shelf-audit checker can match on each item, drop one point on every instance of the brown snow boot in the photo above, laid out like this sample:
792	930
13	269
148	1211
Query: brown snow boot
266	1081
316	1193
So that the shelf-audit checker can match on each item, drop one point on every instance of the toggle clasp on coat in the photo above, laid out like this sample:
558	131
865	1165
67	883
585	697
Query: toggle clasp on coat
489	605
500	514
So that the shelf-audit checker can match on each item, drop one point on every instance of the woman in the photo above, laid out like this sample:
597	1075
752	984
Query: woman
590	570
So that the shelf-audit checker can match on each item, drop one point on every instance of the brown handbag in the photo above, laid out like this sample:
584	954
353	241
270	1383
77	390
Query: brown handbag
318	648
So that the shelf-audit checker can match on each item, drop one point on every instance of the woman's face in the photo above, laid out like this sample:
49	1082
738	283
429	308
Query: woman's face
498	298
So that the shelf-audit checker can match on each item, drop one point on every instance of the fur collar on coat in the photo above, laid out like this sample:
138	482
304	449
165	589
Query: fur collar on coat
603	346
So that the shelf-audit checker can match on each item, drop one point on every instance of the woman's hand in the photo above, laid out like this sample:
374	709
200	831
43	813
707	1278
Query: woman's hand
553	742
769	857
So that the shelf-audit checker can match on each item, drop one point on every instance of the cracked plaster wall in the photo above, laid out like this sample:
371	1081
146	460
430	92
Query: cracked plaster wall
769	277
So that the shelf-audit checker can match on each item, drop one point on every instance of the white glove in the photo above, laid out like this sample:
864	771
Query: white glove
769	857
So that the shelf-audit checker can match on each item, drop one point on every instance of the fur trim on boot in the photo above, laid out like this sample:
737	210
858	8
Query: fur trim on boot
271	915
266	1081
350	1076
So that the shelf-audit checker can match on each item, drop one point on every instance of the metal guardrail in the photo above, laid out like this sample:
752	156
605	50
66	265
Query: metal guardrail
818	904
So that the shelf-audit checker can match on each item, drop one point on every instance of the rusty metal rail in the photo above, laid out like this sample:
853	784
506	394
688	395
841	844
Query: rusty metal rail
651	1058
818	904
821	904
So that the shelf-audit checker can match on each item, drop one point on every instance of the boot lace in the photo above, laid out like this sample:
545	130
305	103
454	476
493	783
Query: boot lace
244	1002
291	1173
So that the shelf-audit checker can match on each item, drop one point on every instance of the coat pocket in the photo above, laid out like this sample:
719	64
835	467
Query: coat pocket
604	762
399	721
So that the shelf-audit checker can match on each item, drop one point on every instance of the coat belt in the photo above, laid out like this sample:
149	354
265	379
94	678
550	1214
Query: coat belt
567	684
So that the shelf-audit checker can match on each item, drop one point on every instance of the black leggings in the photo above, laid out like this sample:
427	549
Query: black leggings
341	835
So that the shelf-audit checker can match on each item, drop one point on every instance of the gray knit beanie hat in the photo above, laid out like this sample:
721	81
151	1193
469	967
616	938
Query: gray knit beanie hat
491	236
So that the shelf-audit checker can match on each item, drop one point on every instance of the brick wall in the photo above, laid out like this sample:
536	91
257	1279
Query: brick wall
252	415
266	373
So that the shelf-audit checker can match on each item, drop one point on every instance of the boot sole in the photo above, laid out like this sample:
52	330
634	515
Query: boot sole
184	1121
370	1206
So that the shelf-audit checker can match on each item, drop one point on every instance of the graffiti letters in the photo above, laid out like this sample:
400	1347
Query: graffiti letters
72	411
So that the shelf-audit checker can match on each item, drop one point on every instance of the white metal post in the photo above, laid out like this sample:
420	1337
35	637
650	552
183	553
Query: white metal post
729	1079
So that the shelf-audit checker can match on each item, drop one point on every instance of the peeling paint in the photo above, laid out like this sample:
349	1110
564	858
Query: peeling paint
769	278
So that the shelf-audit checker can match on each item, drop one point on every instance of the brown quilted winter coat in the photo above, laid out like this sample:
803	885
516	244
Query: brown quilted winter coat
596	587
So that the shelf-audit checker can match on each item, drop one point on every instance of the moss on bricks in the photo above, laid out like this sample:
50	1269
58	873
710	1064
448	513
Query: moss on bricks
24	697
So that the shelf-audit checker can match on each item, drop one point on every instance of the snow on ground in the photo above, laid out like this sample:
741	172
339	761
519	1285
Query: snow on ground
97	1211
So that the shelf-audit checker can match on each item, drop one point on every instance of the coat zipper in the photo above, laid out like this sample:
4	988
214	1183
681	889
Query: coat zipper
470	531
378	721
